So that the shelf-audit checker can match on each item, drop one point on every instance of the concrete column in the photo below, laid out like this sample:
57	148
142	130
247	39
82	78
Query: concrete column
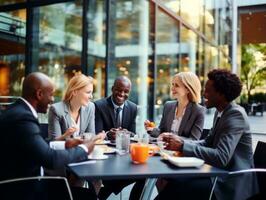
143	63
234	35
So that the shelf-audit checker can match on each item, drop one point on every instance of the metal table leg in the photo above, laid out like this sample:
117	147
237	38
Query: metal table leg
148	188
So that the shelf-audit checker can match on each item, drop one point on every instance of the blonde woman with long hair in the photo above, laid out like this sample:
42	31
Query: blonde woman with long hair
74	115
183	116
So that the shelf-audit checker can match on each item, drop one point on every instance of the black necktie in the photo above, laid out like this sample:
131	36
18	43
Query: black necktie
117	118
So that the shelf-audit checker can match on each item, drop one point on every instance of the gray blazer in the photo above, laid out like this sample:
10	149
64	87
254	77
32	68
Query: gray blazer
192	122
59	119
228	146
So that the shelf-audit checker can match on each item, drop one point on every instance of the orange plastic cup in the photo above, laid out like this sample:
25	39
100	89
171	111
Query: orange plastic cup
139	153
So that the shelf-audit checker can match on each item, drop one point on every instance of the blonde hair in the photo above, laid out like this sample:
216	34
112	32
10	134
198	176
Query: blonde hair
77	82
192	83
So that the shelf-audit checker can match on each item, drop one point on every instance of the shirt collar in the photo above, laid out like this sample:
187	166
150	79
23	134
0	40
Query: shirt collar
31	108
116	106
220	114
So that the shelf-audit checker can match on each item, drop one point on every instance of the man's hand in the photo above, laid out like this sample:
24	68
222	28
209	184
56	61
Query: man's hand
89	144
172	142
70	143
112	133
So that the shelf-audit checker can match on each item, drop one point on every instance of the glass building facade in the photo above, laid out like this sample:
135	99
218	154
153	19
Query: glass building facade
148	41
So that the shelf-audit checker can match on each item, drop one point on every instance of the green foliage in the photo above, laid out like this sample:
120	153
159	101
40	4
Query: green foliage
253	67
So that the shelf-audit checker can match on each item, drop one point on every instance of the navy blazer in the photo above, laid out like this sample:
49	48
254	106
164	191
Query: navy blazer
105	116
192	122
23	150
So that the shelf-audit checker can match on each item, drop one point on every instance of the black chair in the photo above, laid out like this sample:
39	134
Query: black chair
260	170
32	188
258	108
260	162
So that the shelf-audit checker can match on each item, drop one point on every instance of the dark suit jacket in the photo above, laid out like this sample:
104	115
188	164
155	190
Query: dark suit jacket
228	146
22	148
105	117
192	122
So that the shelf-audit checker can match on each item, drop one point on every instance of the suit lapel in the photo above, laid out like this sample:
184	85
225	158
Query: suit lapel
67	116
185	118
125	115
82	120
170	116
217	127
111	110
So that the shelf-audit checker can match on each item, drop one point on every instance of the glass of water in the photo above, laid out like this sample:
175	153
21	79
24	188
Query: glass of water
122	141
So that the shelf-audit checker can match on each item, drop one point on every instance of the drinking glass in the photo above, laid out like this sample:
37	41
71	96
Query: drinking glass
122	141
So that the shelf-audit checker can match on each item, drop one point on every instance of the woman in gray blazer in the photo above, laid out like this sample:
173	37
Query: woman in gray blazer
184	117
75	114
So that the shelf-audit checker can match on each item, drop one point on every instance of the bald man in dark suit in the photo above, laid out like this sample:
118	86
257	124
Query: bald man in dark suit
23	150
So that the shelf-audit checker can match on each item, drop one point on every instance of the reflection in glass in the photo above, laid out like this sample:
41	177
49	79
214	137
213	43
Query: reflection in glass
7	2
60	42
129	50
96	45
168	49
12	51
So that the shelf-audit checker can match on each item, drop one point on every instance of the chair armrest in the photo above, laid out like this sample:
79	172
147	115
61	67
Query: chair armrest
247	171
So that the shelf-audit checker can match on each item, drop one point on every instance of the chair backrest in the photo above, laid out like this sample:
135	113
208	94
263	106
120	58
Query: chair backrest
260	162
260	170
31	188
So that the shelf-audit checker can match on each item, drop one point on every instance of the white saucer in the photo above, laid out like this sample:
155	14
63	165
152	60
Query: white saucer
104	142
110	151
97	158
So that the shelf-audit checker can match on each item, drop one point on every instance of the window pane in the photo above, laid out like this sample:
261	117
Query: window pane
12	50
129	50
96	45
7	2
60	42
167	38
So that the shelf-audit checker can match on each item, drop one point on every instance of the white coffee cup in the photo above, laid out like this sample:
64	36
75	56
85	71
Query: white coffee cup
97	152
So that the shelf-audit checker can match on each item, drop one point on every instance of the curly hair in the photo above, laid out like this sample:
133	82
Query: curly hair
226	83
